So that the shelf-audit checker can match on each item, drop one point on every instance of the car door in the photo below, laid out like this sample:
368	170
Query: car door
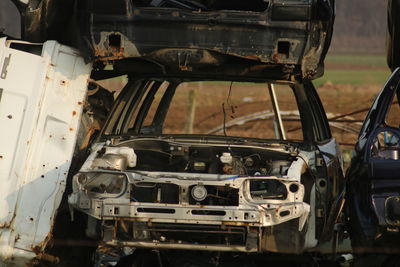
378	135
373	178
381	154
42	90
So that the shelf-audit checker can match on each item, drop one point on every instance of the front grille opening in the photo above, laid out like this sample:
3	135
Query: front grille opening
217	196
209	212
165	193
267	189
156	210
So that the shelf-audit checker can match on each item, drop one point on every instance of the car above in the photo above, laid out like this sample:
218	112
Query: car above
274	39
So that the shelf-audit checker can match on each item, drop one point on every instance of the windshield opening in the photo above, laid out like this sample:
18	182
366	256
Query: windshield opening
221	108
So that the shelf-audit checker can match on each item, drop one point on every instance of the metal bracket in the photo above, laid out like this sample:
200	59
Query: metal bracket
7	60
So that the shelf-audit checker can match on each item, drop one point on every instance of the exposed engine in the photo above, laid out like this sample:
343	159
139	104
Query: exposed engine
166	156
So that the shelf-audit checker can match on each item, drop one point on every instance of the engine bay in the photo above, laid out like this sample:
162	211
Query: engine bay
170	156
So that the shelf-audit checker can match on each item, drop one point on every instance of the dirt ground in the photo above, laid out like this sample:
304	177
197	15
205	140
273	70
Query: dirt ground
348	99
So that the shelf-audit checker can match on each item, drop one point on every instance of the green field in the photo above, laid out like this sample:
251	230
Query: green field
355	70
361	60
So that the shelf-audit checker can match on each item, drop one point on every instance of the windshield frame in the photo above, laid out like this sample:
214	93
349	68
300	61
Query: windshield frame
312	117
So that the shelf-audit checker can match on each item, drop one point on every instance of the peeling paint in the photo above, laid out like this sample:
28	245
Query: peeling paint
32	108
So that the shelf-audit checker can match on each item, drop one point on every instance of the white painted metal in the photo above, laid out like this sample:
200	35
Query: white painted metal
40	108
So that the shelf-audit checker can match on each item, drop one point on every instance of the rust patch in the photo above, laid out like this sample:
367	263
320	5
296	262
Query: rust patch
47	257
253	57
71	129
5	225
114	46
73	113
275	57
259	67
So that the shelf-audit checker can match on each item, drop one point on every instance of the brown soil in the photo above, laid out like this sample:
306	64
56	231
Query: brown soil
345	99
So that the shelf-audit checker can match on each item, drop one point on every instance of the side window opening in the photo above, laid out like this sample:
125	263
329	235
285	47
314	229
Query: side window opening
123	105
131	112
145	106
149	119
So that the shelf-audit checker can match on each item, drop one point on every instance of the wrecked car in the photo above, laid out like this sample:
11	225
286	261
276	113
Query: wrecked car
373	199
279	38
150	182
172	170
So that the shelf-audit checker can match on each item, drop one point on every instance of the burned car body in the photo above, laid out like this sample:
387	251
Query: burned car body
146	185
279	39
372	179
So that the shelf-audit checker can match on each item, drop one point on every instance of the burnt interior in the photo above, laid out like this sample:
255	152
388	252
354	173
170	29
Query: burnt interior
254	5
120	6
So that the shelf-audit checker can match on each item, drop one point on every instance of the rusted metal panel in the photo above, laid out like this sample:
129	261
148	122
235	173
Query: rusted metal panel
40	112
292	36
